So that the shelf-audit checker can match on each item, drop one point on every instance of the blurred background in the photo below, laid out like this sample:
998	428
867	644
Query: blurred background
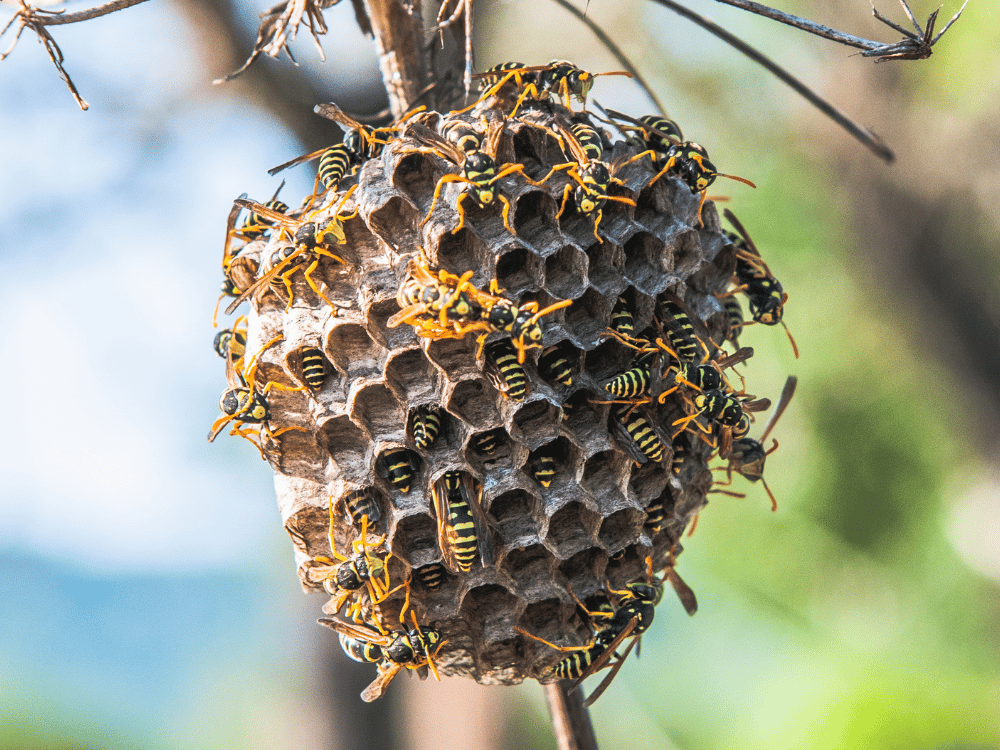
148	595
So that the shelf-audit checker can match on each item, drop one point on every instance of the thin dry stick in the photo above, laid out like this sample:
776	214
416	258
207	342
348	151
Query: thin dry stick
616	51
863	134
570	720
399	31
911	47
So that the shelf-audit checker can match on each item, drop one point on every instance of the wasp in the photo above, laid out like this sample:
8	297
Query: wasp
559	79
669	153
593	178
747	455
479	170
655	511
313	367
630	616
506	372
399	468
729	411
256	224
448	306
242	403
684	341
431	576
640	438
463	530
487	442
622	320
343	577
335	162
424	426
734	320
400	649
543	469
553	364
310	244
632	383
765	295
362	507
365	652
232	342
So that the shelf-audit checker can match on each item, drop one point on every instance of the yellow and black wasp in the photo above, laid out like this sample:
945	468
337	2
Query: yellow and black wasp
672	155
559	79
463	529
363	573
765	295
242	403
506	372
399	469
487	442
431	576
361	505
747	455
729	411
310	241
399	649
639	436
543	469
479	170
554	364
424	425
313	367
593	177
232	342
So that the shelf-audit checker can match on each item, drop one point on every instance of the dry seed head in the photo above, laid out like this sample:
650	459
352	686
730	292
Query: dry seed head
546	540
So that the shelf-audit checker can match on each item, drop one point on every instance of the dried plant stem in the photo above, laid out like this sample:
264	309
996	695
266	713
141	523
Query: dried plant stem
570	720
399	32
85	15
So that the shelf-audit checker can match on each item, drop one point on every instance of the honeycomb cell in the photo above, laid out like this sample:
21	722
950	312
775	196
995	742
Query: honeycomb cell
391	338
604	475
557	362
413	538
517	514
644	255
455	357
375	407
566	273
535	423
494	609
397	212
587	318
587	422
621	529
345	443
606	361
293	362
605	267
566	459
533	563
473	402
461	252
353	352
584	571
517	271
687	252
571	529
413	175
411	376
300	455
648	480
535	221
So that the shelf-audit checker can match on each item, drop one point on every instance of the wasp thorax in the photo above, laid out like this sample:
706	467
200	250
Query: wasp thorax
475	459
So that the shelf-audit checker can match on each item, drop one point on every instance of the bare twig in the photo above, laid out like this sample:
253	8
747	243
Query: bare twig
911	47
399	34
570	720
615	50
863	134
463	8
279	26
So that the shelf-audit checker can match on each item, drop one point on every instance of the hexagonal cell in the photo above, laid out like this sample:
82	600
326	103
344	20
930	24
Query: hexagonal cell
566	272
517	271
357	502
565	462
605	267
587	317
621	529
606	361
351	350
494	607
530	564
572	528
584	570
559	363
361	244
654	205
516	513
397	214
648	481
413	538
460	252
299	454
473	402
320	373
411	376
535	423
687	252
628	567
456	357
400	468
490	444
604	476
345	443
645	262
413	174
375	406
392	338
587	421
534	219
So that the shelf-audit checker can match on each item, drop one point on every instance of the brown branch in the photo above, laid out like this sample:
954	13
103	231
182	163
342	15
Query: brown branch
59	18
570	720
399	33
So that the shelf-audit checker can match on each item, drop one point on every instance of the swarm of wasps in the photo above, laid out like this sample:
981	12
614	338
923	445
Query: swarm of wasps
516	402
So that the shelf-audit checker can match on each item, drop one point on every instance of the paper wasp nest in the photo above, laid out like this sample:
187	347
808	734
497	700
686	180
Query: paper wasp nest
589	527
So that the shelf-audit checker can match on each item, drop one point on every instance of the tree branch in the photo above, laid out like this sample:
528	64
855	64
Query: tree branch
570	720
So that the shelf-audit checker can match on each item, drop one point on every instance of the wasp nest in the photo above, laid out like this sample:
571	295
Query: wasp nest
408	406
